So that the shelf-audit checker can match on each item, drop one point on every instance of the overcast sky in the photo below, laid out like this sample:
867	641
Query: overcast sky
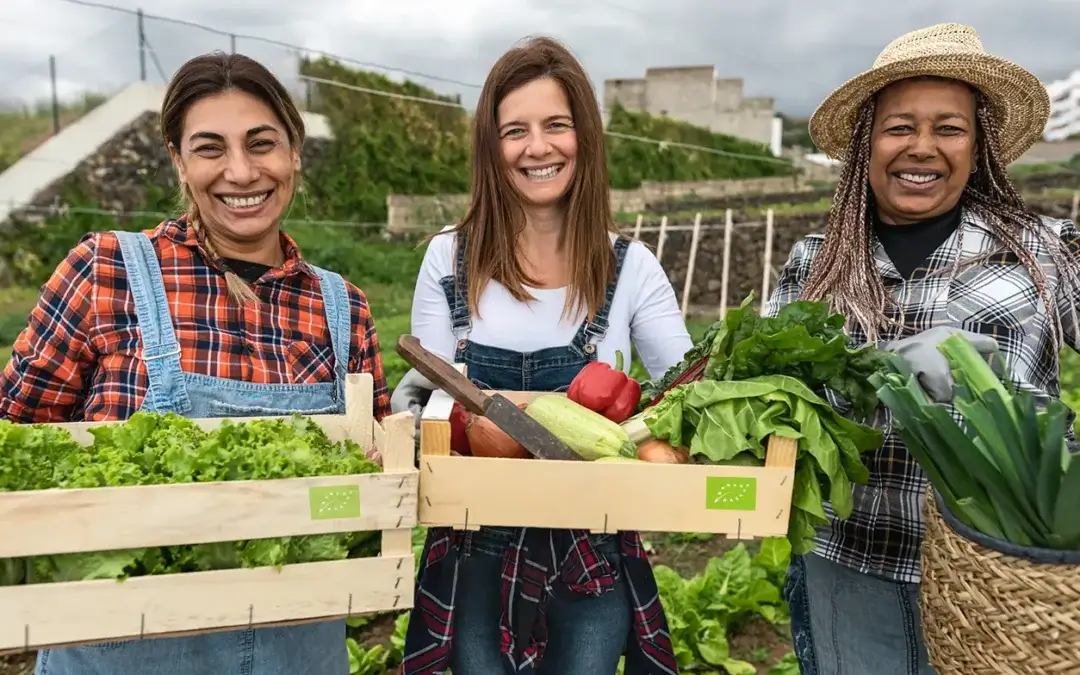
793	50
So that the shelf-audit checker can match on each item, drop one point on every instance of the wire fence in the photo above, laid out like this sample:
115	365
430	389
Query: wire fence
59	209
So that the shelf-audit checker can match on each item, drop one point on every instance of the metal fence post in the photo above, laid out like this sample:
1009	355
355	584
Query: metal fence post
55	96
142	46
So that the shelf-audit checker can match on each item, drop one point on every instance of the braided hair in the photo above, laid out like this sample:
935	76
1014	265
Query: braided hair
239	290
844	270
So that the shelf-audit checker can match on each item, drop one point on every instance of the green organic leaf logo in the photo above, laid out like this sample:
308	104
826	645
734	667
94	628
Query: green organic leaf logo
730	494
334	501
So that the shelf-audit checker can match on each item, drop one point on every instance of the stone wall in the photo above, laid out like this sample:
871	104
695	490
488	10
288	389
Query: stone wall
746	264
130	172
411	213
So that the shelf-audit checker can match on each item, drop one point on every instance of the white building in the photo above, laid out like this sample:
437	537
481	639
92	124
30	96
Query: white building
1064	108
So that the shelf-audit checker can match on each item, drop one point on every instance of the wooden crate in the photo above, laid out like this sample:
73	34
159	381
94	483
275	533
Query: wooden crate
469	492
44	522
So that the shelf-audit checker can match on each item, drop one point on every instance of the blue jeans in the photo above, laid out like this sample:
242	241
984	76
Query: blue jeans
844	622
586	635
284	650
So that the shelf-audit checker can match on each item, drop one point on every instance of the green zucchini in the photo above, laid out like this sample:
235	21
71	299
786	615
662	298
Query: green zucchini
587	433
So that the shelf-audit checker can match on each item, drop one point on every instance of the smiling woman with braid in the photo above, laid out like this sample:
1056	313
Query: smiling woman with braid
927	237
214	313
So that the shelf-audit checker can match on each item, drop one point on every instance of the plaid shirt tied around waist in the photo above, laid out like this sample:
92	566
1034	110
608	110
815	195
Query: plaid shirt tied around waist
532	565
995	296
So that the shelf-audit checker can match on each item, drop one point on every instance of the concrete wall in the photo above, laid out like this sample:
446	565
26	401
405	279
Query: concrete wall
1050	152
415	213
696	95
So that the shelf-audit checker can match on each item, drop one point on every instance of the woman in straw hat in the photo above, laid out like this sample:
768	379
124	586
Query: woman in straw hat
927	237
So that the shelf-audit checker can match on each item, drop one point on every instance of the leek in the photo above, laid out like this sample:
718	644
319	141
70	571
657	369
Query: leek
1001	464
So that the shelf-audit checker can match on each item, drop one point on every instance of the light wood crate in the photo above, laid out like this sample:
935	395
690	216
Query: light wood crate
44	522
470	492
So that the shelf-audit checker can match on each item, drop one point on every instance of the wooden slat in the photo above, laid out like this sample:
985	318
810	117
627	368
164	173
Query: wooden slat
781	453
467	492
398	456
42	522
52	614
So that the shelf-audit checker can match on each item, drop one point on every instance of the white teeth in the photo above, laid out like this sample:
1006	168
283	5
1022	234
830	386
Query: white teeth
244	202
543	174
919	177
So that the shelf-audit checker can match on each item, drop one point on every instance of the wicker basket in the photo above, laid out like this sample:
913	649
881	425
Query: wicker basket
991	607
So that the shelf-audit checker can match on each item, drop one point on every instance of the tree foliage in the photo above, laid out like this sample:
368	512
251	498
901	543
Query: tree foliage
382	144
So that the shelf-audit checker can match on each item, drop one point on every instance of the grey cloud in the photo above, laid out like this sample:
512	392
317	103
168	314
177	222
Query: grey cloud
792	50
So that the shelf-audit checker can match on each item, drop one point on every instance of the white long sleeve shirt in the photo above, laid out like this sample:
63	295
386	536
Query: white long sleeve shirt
644	311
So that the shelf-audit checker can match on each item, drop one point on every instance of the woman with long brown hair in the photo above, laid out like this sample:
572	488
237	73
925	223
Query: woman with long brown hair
927	237
532	285
212	314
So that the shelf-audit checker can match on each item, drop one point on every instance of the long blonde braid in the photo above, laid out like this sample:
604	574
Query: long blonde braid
239	290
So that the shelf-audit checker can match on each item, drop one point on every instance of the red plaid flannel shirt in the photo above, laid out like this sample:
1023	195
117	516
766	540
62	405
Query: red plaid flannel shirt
528	569
79	357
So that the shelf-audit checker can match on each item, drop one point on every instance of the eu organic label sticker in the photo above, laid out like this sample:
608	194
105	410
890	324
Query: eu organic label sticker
730	494
334	501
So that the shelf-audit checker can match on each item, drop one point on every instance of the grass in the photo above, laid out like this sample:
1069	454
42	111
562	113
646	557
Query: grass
23	129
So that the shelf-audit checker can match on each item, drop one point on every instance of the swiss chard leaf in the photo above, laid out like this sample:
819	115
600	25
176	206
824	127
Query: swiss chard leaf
733	417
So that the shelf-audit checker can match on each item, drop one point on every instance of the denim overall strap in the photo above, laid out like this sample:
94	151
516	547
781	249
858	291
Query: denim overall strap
166	391
455	286
335	295
593	331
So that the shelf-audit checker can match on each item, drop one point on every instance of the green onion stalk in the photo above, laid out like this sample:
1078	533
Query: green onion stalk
1004	469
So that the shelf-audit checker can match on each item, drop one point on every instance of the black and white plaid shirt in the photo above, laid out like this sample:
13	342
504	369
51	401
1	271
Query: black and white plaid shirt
996	297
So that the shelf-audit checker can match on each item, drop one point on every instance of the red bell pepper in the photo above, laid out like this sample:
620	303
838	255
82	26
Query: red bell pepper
459	440
606	390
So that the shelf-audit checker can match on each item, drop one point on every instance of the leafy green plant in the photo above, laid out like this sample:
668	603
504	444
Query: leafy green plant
705	610
382	144
1004	468
377	659
632	161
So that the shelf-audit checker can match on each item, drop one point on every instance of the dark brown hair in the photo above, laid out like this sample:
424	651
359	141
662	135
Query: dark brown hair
844	270
212	74
495	215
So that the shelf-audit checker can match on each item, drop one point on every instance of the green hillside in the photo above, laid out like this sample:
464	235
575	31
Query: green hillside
23	128
632	161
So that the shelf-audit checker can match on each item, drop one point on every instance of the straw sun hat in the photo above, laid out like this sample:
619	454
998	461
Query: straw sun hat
1016	98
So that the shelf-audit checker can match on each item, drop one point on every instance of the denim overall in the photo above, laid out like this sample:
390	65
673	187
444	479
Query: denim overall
308	649
587	635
